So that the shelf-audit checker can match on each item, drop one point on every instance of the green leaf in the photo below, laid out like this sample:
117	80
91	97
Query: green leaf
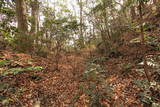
3	62
16	70
2	98
158	71
36	68
3	86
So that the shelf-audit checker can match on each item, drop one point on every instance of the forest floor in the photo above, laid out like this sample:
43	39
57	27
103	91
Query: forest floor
26	80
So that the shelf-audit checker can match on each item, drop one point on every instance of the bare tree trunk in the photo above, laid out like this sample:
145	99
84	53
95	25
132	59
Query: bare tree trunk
23	40
81	22
105	43
133	12
143	41
35	20
35	16
21	16
155	2
57	55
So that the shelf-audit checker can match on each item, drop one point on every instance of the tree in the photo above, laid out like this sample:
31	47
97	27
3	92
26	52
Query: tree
23	40
21	16
35	16
81	38
105	19
133	12
141	4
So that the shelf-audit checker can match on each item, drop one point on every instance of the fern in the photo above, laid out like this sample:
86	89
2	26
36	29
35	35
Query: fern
14	71
36	68
3	62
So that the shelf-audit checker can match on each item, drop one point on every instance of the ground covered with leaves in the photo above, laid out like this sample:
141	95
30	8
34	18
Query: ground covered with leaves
82	81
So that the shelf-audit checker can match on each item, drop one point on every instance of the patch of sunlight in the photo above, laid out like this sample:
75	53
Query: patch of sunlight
150	63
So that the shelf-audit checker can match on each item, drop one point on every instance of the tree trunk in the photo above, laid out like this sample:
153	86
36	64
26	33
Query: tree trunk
105	43
155	2
143	41
35	20
81	22
23	40
21	16
35	16
133	12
